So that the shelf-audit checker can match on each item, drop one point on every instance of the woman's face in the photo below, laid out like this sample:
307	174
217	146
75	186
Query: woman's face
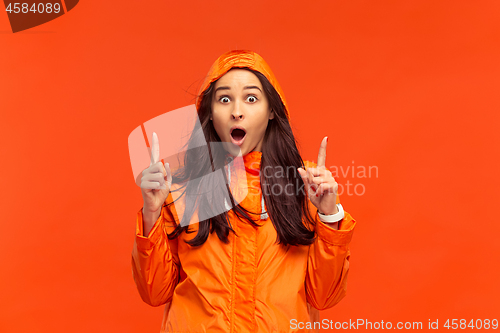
240	111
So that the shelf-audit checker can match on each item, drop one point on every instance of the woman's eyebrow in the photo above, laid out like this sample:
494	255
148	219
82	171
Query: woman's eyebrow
251	87
228	88
222	88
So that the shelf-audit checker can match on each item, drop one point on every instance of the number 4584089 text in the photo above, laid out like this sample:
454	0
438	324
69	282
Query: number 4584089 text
35	8
478	324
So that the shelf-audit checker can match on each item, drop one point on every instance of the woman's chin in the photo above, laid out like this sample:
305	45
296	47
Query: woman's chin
233	149
238	150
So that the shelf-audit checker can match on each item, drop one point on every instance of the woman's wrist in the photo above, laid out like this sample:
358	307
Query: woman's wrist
149	218
336	217
336	210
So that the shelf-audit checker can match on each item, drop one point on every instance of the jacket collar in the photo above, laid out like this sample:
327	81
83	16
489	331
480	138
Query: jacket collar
252	161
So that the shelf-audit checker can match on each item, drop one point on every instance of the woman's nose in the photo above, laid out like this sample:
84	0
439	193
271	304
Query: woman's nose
237	113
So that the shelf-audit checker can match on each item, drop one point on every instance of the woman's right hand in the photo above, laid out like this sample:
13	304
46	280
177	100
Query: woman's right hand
155	184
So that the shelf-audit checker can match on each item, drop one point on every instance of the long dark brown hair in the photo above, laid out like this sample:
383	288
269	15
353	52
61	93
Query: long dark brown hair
279	151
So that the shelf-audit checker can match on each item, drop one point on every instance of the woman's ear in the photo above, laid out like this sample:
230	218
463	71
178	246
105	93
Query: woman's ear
271	115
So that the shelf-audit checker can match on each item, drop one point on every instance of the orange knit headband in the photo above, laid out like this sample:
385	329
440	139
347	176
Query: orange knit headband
240	58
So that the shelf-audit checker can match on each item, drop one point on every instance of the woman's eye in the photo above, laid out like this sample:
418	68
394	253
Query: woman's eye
224	99
252	99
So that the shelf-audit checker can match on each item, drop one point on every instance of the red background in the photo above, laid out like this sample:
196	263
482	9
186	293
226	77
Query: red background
411	87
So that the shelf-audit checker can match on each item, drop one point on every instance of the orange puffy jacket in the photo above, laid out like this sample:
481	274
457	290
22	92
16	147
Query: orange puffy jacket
251	284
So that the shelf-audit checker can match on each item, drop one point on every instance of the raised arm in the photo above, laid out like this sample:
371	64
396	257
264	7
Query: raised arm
154	266
328	261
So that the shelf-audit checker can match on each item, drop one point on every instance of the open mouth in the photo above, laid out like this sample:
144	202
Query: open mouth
238	136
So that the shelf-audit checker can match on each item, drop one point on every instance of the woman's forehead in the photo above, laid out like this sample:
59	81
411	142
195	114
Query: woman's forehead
238	77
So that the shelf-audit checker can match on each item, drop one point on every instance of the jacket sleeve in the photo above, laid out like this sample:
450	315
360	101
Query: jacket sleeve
328	263
155	268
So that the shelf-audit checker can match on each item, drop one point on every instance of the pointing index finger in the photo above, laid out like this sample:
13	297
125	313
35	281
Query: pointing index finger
155	149
322	152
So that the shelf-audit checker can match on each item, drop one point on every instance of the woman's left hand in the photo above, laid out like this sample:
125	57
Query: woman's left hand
320	185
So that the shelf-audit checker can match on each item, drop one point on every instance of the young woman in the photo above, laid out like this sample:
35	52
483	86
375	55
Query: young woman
267	264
